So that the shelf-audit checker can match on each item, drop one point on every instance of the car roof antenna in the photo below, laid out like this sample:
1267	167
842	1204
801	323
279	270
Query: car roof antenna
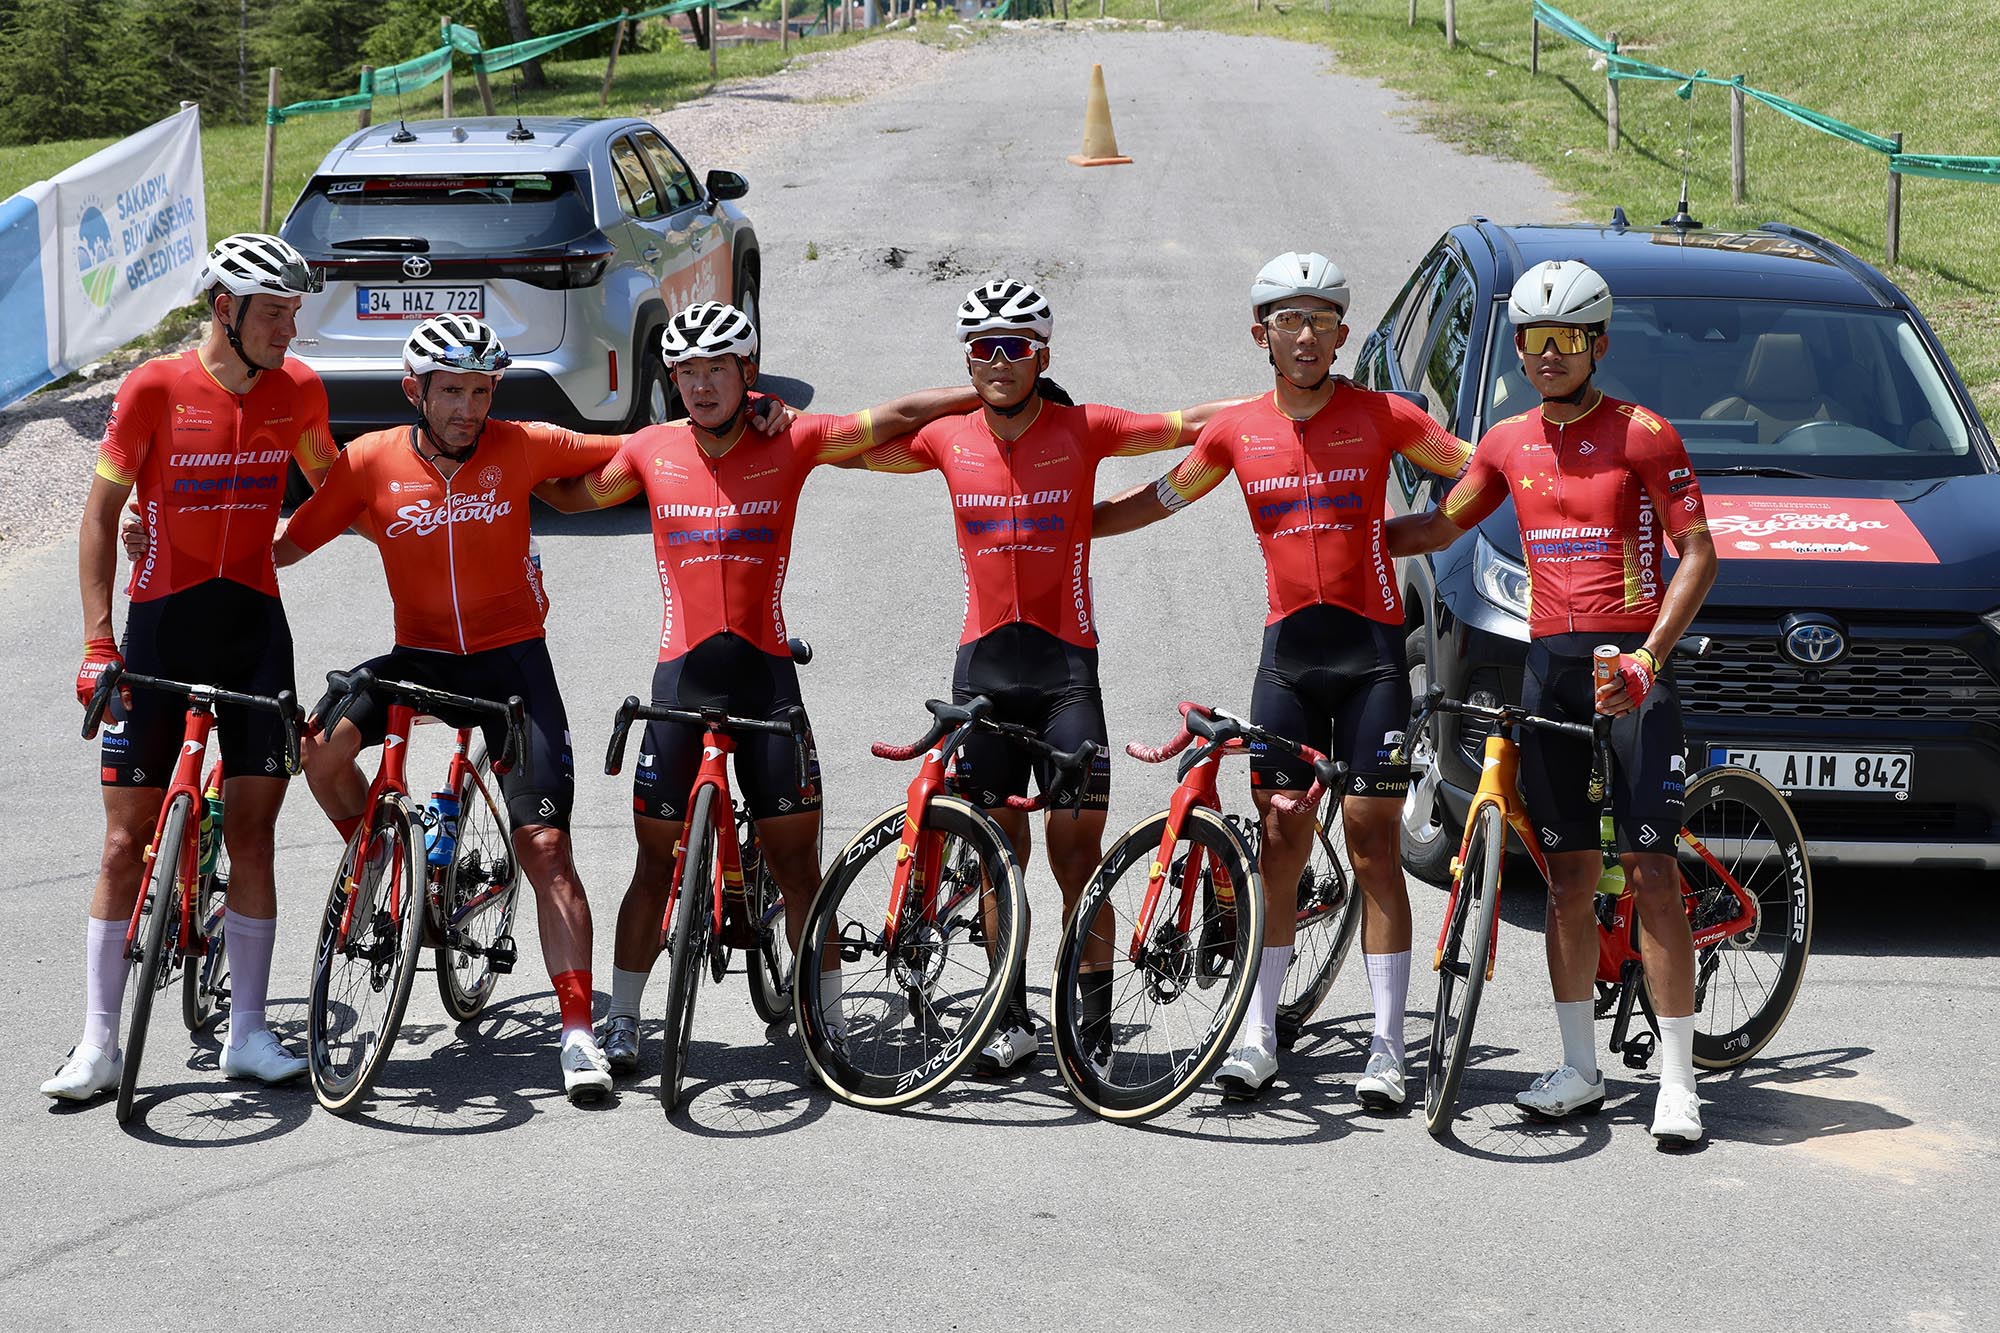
1681	221
402	134
520	133
1618	222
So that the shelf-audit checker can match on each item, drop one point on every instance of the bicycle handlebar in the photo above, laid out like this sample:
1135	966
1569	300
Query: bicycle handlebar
948	718
1215	727
1505	714
115	676
944	717
348	687
710	719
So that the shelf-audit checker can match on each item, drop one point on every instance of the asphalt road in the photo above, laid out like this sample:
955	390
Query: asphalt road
1842	1186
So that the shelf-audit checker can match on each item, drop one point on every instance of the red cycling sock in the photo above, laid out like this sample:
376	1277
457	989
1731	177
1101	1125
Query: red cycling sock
347	827
573	999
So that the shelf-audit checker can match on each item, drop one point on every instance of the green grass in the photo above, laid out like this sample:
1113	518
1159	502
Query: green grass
1880	67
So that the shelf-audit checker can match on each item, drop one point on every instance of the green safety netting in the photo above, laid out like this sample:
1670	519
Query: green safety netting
1983	169
1820	121
460	38
412	75
1550	17
278	115
506	57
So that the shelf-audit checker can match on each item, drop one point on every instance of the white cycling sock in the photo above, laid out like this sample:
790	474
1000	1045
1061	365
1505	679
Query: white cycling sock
1577	1026
1263	1016
1677	1053
249	940
1389	983
627	989
829	1000
103	983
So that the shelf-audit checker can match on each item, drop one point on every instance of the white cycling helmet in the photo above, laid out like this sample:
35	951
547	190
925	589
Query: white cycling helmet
251	263
1005	306
1294	274
1560	291
455	342
708	329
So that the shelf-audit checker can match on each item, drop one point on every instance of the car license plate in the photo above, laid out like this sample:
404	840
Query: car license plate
418	302
1846	772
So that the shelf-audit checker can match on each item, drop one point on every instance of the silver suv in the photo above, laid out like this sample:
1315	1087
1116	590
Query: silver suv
576	239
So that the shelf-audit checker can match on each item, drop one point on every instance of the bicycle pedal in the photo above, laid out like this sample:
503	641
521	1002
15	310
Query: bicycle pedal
500	955
1638	1050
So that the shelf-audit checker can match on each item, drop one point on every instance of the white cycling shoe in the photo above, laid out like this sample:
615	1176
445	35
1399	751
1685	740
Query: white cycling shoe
586	1071
1677	1116
1381	1087
1011	1048
1248	1068
262	1057
87	1073
1562	1092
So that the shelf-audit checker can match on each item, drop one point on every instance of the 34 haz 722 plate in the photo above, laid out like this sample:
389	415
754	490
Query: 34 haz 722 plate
1847	772
418	302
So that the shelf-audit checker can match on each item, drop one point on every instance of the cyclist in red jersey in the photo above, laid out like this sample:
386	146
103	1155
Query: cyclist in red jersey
724	502
202	441
1313	458
1022	473
446	503
1597	485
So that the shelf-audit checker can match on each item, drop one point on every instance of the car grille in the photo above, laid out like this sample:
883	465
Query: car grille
1887	821
1873	682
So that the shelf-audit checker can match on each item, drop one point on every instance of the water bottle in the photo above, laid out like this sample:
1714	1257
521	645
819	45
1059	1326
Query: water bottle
535	555
211	829
1611	882
751	855
441	839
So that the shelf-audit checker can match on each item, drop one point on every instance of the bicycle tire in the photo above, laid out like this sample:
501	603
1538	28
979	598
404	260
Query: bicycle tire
911	1022
687	944
1461	966
374	969
1746	984
1158	1053
1329	917
151	970
205	980
484	858
771	962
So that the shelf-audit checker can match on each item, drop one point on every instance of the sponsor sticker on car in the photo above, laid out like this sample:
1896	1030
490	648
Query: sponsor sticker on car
1786	527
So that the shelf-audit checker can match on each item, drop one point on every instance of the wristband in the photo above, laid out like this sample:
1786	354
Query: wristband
1652	662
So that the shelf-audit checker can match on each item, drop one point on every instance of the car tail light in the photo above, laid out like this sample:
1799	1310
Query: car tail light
556	274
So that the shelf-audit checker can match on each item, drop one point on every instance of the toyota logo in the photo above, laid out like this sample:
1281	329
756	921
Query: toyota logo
1812	640
416	266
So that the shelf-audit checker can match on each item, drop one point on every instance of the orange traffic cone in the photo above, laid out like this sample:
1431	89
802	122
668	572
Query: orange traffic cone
1100	146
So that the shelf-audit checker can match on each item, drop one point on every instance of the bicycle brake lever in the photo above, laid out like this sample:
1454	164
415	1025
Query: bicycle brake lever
293	720
93	713
517	739
621	727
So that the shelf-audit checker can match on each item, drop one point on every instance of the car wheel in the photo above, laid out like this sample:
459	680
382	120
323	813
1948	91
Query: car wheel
747	302
1430	835
655	401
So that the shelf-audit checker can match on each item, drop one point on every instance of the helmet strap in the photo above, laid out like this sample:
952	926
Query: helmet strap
1575	396
234	332
1302	388
427	432
1028	400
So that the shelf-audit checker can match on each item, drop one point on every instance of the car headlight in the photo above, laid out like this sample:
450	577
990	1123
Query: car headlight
1500	580
1992	619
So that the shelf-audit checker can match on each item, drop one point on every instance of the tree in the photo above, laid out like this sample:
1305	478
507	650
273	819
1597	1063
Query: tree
320	44
73	69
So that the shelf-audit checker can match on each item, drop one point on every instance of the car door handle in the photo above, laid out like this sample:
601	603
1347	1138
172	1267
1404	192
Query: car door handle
651	254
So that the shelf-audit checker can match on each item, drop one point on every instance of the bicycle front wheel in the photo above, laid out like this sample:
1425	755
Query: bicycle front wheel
205	979
1461	965
1178	984
1328	920
369	938
907	1014
1745	982
687	943
159	937
479	891
771	961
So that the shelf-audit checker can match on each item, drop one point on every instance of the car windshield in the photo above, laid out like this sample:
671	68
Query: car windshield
441	216
1815	390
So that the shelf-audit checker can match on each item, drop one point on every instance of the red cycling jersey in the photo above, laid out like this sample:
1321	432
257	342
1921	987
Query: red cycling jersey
1591	497
1023	508
1317	491
209	467
455	549
722	526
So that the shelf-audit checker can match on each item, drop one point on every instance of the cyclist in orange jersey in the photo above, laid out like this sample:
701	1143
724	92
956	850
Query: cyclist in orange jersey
1313	459
201	441
724	503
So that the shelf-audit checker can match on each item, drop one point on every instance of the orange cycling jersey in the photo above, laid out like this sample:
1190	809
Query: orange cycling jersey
1592	498
722	526
208	467
1317	491
455	549
1021	510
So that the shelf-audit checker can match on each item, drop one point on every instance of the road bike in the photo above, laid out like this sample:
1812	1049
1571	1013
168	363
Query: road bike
176	924
924	916
1178	903
413	877
1745	880
722	895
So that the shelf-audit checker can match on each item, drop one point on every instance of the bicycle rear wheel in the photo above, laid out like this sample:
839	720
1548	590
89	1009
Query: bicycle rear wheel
1746	983
361	983
1461	965
159	938
907	1019
205	979
770	962
687	943
483	871
1329	918
1168	1026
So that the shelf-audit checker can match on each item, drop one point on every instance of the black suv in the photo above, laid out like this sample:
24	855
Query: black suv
1851	490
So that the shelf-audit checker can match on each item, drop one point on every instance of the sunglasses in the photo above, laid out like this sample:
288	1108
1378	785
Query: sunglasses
1005	346
1566	340
1291	321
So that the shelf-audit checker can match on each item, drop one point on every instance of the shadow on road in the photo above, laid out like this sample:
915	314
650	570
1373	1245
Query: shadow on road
209	1111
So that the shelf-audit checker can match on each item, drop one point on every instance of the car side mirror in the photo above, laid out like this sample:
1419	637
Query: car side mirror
1411	395
726	185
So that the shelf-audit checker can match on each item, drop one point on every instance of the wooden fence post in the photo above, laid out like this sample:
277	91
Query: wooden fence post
712	67
1413	13
1737	174
271	152
611	64
1450	23
784	25
1534	47
367	115
1895	191
444	26
1611	101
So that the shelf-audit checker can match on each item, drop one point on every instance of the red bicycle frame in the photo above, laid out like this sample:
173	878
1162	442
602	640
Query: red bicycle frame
716	747
194	745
